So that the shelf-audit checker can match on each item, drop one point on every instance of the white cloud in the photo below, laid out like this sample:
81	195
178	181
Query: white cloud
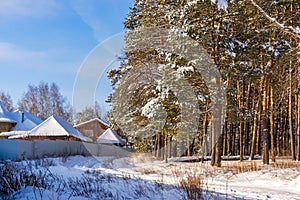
10	52
27	7
103	16
15	57
89	14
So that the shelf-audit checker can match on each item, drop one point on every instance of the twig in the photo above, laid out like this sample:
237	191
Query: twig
288	30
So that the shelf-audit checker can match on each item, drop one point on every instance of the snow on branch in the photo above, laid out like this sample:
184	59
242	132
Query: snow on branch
288	29
222	4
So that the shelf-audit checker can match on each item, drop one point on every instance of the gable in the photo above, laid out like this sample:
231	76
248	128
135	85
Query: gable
93	121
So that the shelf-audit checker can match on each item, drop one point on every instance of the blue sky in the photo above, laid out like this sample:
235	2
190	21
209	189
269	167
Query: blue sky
48	40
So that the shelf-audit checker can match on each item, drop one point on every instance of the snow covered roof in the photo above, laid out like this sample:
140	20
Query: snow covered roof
5	115
56	126
6	120
24	120
95	119
104	122
110	137
12	134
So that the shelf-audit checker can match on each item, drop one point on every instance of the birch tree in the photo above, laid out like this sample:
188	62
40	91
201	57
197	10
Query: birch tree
6	100
46	100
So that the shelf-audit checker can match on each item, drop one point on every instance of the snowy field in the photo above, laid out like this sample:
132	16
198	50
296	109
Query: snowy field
142	177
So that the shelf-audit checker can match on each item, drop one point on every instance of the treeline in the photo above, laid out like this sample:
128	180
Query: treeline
256	49
43	100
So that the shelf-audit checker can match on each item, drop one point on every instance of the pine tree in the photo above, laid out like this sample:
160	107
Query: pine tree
256	56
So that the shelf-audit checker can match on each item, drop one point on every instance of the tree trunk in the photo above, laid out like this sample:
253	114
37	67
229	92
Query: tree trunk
170	147
166	146
272	124
204	146
162	145
240	116
217	132
298	103
292	138
298	125
225	139
280	131
188	145
213	149
256	124
218	152
265	123
247	127
255	131
233	145
158	155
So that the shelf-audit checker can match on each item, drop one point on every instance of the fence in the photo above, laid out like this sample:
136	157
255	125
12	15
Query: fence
25	149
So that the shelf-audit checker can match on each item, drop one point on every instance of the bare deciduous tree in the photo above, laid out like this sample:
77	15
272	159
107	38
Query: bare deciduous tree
45	100
6	100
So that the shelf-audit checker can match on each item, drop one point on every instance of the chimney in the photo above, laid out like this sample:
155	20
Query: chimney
23	117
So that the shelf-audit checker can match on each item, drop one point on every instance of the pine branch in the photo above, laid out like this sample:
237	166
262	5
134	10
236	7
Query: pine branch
287	29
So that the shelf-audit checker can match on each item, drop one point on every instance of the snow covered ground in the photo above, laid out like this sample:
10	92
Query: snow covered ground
142	177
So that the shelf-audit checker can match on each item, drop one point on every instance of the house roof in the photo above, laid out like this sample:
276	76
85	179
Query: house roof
29	122
5	115
95	119
24	120
110	137
54	126
13	133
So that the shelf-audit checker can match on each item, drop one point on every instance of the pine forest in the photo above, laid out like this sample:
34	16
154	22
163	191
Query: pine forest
255	47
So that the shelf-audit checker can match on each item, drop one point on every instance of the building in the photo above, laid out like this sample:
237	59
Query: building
93	128
110	137
18	120
53	128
